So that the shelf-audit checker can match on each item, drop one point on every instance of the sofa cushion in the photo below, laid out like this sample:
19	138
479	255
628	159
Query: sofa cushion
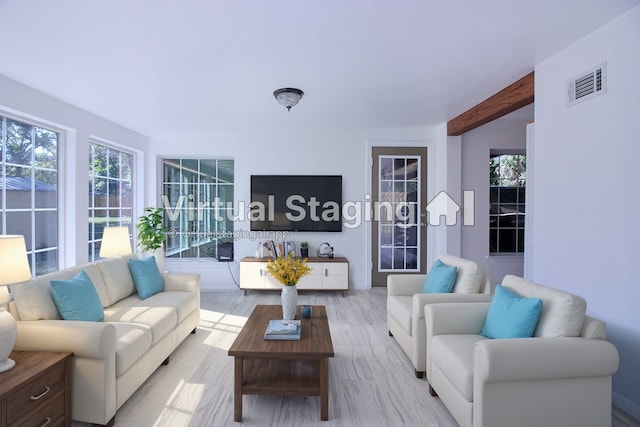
440	279
184	303
77	299
399	307
33	298
470	277
117	278
453	355
562	312
132	341
160	319
146	276
511	316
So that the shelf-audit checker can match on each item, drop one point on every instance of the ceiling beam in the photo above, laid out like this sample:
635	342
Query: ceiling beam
509	99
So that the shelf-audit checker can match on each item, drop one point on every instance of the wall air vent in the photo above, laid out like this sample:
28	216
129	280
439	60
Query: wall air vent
587	85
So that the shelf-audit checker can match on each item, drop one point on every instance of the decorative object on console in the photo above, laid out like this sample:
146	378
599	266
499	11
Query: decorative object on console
14	268
288	271
304	249
288	97
325	250
115	242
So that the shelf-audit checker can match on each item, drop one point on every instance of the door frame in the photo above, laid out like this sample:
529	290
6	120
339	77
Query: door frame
431	186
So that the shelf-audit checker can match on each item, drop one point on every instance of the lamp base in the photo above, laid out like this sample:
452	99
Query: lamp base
8	334
5	365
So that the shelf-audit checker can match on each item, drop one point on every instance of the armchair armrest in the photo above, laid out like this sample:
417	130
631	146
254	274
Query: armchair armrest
405	284
185	282
94	340
455	318
421	300
543	358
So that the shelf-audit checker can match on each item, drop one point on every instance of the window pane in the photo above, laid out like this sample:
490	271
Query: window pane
46	149
46	262
18	143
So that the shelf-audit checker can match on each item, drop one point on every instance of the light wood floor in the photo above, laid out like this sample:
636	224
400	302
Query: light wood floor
371	379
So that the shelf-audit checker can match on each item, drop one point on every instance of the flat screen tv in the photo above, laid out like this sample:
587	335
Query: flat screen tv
296	203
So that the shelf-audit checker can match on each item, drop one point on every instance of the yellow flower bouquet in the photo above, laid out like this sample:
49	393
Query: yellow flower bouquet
288	270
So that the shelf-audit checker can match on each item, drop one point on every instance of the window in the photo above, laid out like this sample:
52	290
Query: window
29	190
110	193
398	230
197	195
507	203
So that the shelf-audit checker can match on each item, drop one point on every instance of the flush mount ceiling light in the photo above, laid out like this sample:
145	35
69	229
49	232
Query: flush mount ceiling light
288	97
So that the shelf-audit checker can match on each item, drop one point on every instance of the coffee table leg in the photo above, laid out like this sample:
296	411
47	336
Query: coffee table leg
237	392
324	389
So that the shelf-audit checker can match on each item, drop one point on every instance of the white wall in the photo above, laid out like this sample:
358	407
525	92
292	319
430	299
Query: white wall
585	219
314	152
76	127
506	133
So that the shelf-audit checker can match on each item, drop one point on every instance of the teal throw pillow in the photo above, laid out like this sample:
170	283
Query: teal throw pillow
511	316
440	279
77	298
146	276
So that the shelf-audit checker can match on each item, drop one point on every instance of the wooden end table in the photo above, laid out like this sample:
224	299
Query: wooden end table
283	368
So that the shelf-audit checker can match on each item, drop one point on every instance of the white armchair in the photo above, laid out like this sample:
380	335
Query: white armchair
406	302
559	377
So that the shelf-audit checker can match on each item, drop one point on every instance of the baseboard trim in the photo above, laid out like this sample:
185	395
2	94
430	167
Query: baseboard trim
627	406
622	417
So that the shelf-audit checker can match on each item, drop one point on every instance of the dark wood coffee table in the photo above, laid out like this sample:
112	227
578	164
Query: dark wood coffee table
284	368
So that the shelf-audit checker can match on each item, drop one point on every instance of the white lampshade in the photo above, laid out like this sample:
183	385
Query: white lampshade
14	268
115	242
14	265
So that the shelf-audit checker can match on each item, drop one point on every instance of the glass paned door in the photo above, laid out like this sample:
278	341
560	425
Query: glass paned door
398	232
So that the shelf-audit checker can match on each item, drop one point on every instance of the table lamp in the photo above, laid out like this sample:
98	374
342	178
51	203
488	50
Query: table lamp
115	242
14	268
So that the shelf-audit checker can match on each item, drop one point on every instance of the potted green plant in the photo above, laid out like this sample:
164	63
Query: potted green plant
151	230
304	249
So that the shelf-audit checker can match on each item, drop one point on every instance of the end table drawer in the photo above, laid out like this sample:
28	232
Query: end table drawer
39	399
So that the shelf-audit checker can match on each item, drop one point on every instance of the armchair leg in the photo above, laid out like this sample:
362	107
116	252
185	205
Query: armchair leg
419	374
390	334
432	392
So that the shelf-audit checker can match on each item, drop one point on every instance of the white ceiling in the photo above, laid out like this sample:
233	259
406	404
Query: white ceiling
170	67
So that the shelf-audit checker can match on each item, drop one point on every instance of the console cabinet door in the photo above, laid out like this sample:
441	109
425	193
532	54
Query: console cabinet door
314	279
252	275
335	275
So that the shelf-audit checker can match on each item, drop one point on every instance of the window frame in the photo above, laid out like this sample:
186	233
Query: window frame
513	207
94	242
180	235
31	241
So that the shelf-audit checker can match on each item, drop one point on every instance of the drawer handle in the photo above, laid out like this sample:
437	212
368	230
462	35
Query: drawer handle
46	422
38	397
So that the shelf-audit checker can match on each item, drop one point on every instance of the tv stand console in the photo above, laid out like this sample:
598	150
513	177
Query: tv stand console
327	274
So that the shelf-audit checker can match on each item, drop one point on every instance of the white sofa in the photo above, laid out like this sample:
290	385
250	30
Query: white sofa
405	304
114	357
559	377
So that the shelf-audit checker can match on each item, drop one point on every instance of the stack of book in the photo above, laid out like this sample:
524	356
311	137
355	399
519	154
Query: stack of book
283	330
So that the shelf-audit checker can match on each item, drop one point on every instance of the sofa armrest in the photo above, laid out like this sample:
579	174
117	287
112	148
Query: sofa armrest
185	282
455	318
421	300
543	358
93	340
405	284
